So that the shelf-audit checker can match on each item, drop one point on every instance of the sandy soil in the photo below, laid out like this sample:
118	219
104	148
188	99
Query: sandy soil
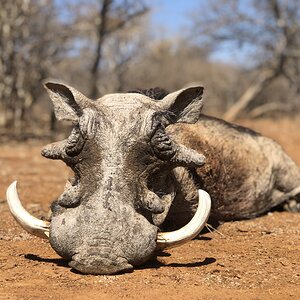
255	259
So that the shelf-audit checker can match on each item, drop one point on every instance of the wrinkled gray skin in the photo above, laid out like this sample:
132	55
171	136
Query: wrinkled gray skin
103	222
137	167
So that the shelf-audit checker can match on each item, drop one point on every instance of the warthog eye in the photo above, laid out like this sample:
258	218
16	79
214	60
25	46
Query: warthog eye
162	144
75	142
160	120
160	141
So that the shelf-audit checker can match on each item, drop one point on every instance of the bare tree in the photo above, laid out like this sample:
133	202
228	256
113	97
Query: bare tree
67	40
111	17
172	64
30	42
271	28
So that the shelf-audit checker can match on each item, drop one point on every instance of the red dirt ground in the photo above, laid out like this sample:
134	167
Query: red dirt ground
256	259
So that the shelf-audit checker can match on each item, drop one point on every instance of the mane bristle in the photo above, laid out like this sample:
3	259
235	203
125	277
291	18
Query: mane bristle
156	93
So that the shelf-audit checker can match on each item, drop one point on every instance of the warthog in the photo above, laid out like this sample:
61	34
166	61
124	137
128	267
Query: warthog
138	166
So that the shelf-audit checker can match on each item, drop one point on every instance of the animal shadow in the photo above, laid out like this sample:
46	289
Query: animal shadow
58	261
156	264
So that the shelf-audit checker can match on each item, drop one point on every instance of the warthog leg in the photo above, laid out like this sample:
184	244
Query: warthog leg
289	201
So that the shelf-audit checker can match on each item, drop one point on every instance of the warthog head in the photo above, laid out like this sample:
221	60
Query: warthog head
106	221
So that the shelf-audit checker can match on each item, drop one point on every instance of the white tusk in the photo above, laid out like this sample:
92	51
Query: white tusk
166	240
30	223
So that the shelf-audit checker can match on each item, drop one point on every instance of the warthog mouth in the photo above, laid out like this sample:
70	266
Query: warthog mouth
164	240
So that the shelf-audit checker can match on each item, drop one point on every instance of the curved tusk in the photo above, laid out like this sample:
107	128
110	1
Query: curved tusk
30	223
166	240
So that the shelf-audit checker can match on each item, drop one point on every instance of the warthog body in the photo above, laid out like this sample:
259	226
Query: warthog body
246	174
138	164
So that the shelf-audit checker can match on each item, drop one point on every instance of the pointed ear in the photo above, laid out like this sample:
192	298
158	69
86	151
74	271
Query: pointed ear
185	104
68	102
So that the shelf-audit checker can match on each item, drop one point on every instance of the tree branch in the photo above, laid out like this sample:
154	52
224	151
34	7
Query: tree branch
251	92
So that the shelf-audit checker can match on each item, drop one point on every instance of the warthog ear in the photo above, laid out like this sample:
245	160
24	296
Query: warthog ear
185	104
68	102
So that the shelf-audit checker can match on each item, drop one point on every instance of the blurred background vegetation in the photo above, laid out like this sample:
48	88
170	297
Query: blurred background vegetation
246	53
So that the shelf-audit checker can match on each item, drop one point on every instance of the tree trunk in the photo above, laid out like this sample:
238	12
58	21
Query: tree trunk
249	95
266	108
53	122
98	54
